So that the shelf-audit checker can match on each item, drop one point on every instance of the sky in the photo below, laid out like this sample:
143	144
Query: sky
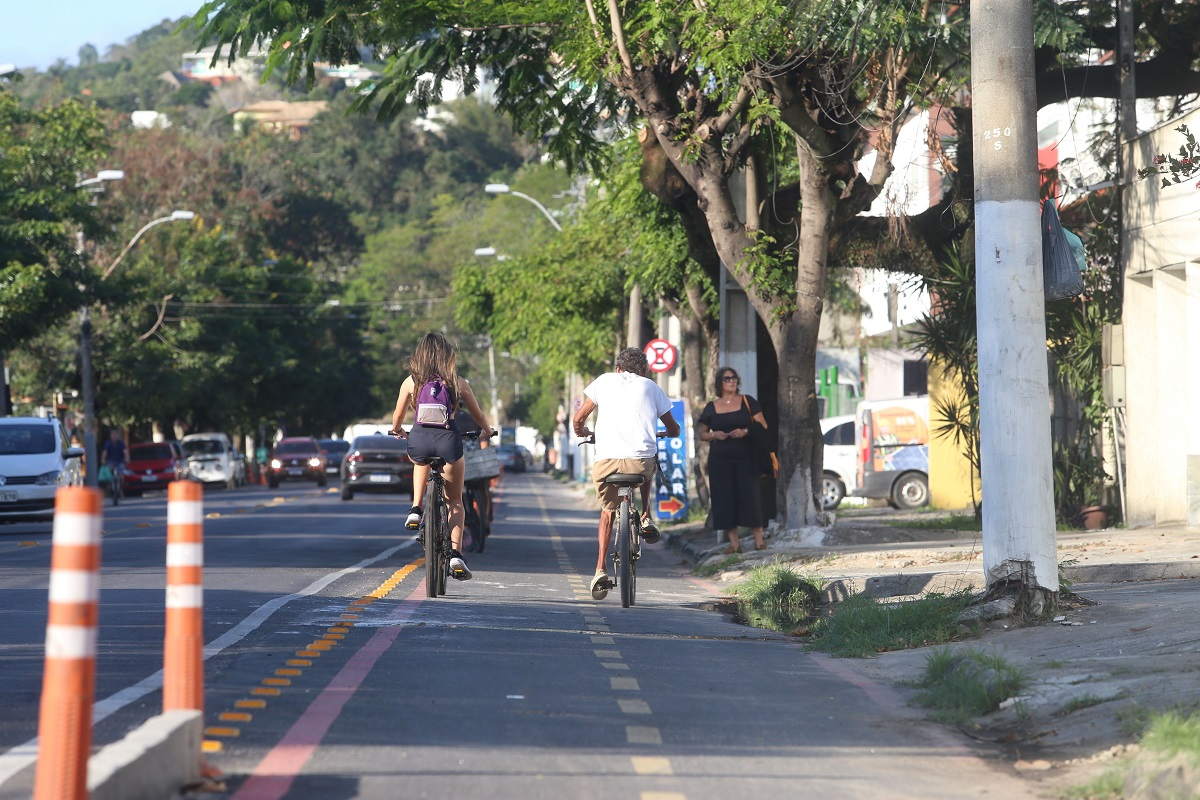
36	33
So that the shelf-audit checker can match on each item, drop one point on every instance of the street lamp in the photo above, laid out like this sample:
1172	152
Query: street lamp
85	337
102	176
504	188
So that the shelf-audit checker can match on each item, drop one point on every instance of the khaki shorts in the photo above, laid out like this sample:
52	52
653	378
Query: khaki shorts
607	492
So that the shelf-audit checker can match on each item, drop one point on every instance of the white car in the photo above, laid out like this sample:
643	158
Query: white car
840	474
35	460
211	458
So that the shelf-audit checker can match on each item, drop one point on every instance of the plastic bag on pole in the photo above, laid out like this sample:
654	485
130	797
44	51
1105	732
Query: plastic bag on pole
1062	263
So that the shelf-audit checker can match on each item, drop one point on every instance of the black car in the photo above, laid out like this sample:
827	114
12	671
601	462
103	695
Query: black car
335	451
296	458
376	463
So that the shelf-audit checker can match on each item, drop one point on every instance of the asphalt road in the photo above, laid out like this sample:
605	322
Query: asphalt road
330	675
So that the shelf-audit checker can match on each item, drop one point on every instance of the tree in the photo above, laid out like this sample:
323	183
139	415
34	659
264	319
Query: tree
713	82
43	154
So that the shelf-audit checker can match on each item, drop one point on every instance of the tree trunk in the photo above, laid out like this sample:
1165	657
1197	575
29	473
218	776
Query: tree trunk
801	445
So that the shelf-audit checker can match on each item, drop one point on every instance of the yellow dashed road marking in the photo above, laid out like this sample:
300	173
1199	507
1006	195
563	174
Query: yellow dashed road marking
234	716
265	691
288	672
227	733
276	682
209	746
299	662
648	765
642	734
250	704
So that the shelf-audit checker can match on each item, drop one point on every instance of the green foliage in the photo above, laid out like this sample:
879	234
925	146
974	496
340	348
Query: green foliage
863	626
779	586
1176	168
43	153
966	683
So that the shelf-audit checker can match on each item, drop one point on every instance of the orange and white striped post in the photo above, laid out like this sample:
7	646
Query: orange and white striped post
183	651
69	678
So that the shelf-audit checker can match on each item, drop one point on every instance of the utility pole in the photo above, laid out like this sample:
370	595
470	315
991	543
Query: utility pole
1014	391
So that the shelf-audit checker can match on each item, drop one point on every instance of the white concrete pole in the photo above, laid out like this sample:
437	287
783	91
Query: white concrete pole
1014	394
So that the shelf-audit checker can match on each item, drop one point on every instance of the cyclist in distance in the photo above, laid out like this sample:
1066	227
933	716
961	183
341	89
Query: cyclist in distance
483	488
114	454
435	363
628	407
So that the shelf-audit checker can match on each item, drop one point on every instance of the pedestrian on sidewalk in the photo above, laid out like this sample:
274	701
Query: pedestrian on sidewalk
628	408
733	479
435	364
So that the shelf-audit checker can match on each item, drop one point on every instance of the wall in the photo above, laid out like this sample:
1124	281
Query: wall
950	473
1162	354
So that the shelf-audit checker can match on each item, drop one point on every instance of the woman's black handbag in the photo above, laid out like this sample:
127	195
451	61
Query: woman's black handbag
764	459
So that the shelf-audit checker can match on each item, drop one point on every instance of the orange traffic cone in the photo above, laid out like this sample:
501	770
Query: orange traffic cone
183	650
69	679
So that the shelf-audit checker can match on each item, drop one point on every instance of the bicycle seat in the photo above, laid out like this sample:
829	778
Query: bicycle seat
625	479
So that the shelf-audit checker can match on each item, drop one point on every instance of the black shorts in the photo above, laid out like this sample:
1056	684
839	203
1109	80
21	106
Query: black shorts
426	443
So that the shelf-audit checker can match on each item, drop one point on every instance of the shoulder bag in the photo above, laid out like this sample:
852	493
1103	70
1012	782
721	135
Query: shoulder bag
765	460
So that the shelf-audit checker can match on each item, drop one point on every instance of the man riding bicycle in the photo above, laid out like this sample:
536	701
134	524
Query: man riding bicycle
629	406
114	455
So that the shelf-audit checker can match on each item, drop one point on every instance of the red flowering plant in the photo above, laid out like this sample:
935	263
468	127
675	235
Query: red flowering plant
1176	169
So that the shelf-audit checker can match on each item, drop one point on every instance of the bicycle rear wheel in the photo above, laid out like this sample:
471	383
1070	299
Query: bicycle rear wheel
432	535
628	576
444	545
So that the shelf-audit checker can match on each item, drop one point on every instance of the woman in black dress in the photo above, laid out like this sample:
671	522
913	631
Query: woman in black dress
733	480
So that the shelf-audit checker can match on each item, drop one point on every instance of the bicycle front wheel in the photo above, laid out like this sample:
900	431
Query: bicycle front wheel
431	533
628	576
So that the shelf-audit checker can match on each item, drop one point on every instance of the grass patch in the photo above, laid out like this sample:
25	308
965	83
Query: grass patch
778	598
863	626
967	683
1173	733
774	585
954	522
1108	786
713	569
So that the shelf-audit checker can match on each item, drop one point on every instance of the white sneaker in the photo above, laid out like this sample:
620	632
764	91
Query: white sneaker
414	520
458	569
601	583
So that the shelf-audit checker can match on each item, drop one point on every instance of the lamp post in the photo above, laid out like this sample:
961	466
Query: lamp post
85	341
504	188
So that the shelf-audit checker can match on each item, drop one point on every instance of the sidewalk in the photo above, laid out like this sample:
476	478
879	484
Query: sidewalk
1136	650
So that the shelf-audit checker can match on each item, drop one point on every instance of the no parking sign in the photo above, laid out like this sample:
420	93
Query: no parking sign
661	355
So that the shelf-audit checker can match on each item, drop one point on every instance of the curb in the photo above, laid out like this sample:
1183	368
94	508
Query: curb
152	762
909	584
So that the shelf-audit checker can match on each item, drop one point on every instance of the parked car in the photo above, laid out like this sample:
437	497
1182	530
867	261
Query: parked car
510	457
892	438
153	465
376	463
840	474
35	460
296	458
335	451
210	458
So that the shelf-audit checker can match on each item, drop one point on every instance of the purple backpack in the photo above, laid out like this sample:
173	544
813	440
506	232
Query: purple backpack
435	404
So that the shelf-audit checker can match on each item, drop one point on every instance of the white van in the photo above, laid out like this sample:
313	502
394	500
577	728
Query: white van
35	460
211	458
892	439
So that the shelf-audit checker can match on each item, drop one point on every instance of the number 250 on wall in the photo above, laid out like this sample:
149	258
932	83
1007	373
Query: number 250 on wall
994	136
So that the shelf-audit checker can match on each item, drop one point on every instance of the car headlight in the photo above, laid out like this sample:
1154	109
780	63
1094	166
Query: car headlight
48	478
276	463
314	462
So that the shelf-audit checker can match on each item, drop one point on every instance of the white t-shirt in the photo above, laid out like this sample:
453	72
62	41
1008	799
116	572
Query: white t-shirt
628	408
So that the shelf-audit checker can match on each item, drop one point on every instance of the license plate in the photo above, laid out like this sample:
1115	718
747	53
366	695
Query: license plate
295	471
381	479
8	497
148	479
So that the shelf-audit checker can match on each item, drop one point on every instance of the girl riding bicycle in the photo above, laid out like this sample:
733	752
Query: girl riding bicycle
434	382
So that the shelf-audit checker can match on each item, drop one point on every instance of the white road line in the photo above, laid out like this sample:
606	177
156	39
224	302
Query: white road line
18	758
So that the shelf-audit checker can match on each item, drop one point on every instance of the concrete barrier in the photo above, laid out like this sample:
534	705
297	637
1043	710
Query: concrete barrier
152	762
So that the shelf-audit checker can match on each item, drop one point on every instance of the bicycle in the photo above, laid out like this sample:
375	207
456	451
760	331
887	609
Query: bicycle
627	530
475	524
116	483
435	527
